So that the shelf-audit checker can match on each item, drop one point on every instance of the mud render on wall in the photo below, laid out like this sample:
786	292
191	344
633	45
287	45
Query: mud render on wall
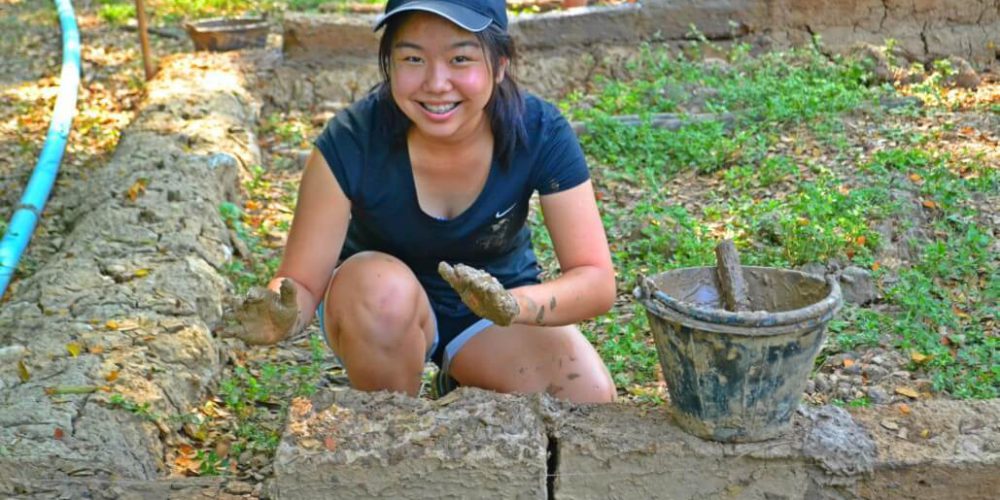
331	58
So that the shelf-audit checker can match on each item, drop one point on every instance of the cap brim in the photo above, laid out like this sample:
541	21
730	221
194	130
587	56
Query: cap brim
465	18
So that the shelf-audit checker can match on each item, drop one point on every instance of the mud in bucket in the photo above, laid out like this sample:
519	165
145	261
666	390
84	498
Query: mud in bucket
737	376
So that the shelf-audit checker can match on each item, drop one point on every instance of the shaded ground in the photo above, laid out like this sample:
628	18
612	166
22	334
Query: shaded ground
235	431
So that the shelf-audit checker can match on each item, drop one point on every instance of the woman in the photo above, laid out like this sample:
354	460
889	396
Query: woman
436	167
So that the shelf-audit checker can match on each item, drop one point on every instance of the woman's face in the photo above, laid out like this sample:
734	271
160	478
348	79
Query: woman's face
440	77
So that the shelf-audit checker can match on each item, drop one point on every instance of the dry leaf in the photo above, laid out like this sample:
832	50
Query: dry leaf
876	266
73	348
330	443
919	358
186	450
58	434
139	273
22	371
137	188
926	433
111	377
906	391
111	324
916	178
929	204
188	464
904	408
860	240
848	363
95	349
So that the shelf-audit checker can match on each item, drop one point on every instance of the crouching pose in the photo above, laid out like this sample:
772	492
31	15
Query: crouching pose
409	239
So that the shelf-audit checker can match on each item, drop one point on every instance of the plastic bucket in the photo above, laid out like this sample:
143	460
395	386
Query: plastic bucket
737	376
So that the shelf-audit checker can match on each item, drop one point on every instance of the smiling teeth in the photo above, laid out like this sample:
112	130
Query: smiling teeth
440	109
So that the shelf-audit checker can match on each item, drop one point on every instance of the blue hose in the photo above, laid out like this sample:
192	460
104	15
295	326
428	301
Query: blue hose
25	218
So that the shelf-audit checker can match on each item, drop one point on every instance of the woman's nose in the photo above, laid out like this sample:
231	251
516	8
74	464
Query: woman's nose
438	78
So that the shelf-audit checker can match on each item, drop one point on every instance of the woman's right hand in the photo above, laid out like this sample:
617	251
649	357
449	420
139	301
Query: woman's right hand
264	316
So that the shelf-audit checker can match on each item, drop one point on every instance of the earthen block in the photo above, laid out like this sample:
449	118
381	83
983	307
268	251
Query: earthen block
469	444
619	451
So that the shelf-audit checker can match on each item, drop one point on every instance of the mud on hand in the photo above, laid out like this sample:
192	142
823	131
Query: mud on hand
263	317
479	290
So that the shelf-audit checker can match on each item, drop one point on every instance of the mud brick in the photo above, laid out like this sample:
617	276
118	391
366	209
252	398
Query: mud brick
469	444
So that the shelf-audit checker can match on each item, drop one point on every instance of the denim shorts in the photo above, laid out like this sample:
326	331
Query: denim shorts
452	330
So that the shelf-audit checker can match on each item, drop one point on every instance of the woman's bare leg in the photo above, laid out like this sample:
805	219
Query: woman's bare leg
526	359
379	322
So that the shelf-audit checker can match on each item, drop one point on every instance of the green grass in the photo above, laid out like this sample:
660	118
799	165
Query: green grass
786	210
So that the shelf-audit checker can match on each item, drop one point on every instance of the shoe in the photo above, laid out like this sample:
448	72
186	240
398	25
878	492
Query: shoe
442	384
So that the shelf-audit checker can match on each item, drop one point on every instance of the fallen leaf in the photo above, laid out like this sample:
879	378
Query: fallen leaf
137	188
929	204
139	273
309	443
906	391
22	371
222	448
860	240
916	178
330	443
186	450
848	363
926	433
188	464
73	348
919	358
111	377
111	324
876	266
904	408
95	349
58	434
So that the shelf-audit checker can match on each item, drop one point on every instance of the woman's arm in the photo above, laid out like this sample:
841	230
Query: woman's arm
316	237
586	287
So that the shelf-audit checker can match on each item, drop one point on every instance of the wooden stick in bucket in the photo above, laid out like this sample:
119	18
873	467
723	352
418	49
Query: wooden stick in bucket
731	283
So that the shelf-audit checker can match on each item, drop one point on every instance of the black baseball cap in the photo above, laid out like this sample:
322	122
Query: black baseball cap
471	15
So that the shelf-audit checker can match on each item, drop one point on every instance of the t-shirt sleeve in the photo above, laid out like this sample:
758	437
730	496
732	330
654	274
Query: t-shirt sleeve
561	164
340	143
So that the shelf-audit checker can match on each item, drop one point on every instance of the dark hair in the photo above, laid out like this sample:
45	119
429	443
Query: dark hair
505	107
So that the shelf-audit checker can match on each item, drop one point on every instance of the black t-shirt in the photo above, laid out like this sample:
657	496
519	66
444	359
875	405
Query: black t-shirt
372	165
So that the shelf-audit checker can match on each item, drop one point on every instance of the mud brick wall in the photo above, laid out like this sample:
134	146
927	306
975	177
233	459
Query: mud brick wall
331	58
478	444
128	301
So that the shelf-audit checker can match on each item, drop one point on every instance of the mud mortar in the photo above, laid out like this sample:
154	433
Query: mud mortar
126	308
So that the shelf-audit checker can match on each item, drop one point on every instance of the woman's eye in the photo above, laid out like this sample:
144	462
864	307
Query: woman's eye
461	59
411	59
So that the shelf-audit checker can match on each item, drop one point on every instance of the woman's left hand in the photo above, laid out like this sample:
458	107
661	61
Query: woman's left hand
479	290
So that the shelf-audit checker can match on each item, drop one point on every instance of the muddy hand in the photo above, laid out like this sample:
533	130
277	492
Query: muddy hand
263	317
484	295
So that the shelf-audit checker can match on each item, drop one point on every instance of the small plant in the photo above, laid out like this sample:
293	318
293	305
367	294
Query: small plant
116	12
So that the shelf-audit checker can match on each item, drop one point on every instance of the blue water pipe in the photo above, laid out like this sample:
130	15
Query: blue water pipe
25	218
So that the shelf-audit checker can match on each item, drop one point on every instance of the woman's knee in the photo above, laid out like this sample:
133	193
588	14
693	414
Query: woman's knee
376	295
586	375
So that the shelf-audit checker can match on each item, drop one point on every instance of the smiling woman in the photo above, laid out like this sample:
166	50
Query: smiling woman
410	241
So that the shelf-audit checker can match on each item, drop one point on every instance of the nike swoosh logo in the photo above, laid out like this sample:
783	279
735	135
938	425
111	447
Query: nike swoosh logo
505	212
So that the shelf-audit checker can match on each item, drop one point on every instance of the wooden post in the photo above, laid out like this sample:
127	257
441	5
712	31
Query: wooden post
147	57
731	282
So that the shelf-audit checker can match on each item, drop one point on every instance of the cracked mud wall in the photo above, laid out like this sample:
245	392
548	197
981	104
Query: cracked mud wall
331	58
135	287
